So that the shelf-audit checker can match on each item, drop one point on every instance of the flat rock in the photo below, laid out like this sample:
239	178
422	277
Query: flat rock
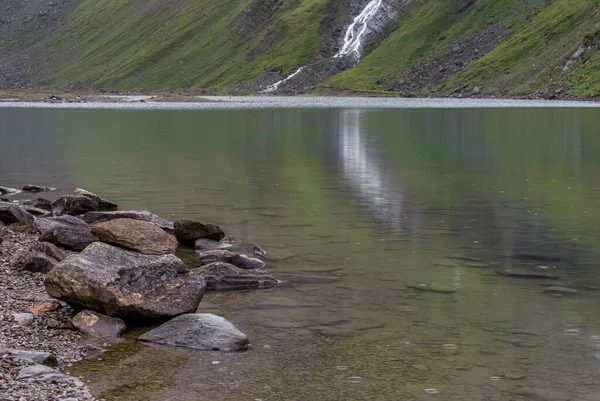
199	331
103	204
561	290
116	282
137	235
23	319
96	325
431	288
41	373
541	394
187	232
222	276
73	205
36	188
102	216
527	274
66	231
222	255
206	244
13	213
40	358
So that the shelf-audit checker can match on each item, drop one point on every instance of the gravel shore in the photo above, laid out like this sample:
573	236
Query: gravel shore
47	332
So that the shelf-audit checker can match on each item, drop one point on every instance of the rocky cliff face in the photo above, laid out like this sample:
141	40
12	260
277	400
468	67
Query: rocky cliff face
407	47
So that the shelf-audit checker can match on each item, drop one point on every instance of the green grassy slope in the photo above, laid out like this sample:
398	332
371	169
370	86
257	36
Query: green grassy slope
539	36
144	45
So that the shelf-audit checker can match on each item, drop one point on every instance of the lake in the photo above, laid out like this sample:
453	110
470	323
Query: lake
426	250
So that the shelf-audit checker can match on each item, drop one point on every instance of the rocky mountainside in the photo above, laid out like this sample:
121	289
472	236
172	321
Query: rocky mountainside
539	48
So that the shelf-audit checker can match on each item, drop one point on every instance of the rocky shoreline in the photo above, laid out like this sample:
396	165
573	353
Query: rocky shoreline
76	271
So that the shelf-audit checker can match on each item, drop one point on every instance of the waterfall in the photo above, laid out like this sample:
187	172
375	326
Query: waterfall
356	30
273	87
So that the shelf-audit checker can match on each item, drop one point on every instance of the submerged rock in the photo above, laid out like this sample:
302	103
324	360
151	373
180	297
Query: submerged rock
221	255
66	231
40	358
73	205
221	276
96	325
187	232
123	283
36	188
431	288
561	290
137	235
205	244
42	258
199	331
13	213
527	274
103	204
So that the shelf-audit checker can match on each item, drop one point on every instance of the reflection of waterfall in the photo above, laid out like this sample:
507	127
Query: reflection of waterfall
364	173
356	30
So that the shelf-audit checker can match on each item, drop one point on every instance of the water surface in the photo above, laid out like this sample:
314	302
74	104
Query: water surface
360	209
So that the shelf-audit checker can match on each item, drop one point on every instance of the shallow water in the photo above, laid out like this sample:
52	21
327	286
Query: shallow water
361	210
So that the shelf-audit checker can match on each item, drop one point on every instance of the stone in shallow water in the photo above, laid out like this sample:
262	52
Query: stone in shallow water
73	205
36	188
541	394
122	283
561	290
206	244
527	274
96	325
199	331
8	191
187	232
431	288
66	231
103	204
224	276
221	255
137	235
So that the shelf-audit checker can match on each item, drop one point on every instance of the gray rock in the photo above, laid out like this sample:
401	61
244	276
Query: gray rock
199	331
431	288
66	231
561	290
96	325
221	255
9	191
221	276
41	373
102	216
42	258
13	213
230	239
123	283
187	231
527	274
35	211
39	203
205	244
103	204
137	235
73	205
36	188
23	319
40	358
92	351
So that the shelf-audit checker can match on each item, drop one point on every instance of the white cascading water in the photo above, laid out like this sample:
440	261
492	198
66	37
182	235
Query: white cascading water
356	30
352	40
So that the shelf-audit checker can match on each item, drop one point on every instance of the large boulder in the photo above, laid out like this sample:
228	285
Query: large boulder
96	325
42	258
103	204
13	213
187	232
222	255
137	235
66	231
102	216
73	205
221	276
116	282
199	331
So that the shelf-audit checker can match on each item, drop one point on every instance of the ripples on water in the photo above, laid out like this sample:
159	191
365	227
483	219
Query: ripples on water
388	229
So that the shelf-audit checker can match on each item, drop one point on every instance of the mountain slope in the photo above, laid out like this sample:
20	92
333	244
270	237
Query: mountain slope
434	47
